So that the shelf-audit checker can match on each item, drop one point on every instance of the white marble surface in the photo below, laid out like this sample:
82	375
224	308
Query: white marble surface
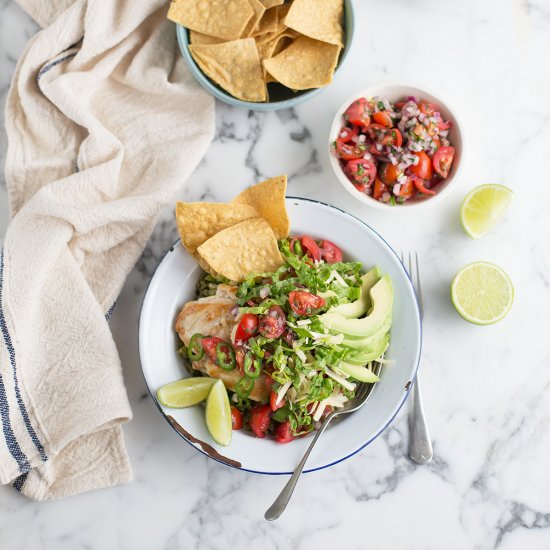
485	389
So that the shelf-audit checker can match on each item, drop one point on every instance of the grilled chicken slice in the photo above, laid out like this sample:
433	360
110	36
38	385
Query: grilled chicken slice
212	316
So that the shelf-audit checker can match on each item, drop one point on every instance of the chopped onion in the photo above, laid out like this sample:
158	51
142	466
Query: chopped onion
396	189
362	138
264	292
355	139
234	311
343	134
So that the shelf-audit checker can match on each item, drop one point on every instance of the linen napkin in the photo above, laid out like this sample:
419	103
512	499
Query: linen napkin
104	123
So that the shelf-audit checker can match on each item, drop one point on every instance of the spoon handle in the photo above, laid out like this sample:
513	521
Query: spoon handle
280	504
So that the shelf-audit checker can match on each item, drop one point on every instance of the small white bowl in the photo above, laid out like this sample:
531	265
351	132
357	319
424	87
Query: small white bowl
397	92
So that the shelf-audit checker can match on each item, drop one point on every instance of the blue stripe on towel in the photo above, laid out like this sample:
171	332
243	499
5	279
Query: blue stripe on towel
52	64
20	481
11	352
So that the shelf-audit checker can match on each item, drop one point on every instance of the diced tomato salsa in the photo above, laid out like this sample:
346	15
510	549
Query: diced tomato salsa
394	152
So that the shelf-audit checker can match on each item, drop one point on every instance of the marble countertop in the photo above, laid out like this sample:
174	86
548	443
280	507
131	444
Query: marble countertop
485	389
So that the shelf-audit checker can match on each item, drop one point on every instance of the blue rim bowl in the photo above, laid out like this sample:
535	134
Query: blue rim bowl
281	97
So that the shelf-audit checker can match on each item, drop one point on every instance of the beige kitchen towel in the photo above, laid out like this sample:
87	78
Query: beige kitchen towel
104	124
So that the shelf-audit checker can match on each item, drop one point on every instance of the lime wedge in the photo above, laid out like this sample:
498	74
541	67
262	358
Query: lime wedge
185	393
218	414
482	293
484	207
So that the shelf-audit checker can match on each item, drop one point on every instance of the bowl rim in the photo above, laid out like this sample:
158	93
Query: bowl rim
361	447
369	201
182	34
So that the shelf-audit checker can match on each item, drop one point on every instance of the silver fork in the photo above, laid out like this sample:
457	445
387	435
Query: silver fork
420	445
362	392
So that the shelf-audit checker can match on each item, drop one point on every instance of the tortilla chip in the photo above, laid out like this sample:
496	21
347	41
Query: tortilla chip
318	19
282	12
198	221
220	18
235	66
259	11
271	3
241	249
268	23
198	38
268	198
276	45
305	64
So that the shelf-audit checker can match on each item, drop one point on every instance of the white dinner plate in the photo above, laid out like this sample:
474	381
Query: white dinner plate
174	284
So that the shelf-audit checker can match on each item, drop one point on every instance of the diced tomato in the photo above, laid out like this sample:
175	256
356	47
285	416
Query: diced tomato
273	401
444	124
346	133
383	118
407	189
236	418
312	248
393	137
423	169
209	345
358	113
283	433
443	160
428	109
379	189
419	183
362	171
260	417
388	173
273	323
248	327
330	252
303	302
348	151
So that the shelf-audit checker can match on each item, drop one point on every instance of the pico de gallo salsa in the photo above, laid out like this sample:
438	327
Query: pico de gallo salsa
278	336
394	152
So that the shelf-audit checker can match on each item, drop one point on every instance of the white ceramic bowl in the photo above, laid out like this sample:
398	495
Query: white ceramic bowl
396	92
174	284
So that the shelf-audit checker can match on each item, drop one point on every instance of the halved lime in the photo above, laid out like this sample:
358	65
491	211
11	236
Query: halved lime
484	207
218	414
482	293
186	392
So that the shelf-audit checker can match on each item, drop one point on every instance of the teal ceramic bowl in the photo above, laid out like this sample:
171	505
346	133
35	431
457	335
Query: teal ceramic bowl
280	96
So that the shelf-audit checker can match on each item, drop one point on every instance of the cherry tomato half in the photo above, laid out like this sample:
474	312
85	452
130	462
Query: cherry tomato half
393	137
305	303
236	418
358	113
283	433
273	401
407	189
260	417
388	173
423	169
273	323
348	151
428	108
209	346
419	183
443	159
311	247
362	171
383	118
346	133
330	252
248	326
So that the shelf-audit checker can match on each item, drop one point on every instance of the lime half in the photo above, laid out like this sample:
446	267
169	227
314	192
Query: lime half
218	414
185	393
482	293
484	207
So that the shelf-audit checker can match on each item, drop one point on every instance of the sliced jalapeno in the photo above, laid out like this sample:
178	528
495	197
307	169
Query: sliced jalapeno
252	365
225	356
195	351
244	387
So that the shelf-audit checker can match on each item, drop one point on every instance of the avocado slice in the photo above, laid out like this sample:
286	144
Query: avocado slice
356	309
381	296
362	357
370	341
363	374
